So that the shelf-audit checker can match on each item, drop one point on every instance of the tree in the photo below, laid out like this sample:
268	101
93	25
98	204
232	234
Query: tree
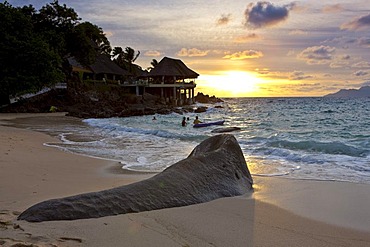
55	23
86	42
117	55
34	46
129	55
61	28
27	63
126	58
154	64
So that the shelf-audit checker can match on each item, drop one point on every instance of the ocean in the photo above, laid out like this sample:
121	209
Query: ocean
297	138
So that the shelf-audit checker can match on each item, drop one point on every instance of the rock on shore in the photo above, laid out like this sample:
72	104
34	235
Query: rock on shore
215	168
112	101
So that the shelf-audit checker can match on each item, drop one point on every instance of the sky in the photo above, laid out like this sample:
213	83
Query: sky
243	48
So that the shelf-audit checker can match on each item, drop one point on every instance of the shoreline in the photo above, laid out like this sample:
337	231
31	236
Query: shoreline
280	210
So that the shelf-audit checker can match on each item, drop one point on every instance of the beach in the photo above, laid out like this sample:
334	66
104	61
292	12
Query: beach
280	212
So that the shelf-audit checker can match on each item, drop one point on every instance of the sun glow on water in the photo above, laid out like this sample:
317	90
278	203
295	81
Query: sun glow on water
231	84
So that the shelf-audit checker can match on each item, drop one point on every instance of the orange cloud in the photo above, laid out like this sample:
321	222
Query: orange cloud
334	8
152	54
299	75
247	38
244	55
193	52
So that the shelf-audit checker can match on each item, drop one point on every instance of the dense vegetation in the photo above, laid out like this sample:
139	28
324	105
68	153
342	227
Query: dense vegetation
35	45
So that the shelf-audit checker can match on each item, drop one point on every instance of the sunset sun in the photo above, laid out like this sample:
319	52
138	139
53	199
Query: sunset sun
232	83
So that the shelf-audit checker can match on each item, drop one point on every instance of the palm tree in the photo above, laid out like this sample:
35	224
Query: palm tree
154	63
125	58
129	55
117	54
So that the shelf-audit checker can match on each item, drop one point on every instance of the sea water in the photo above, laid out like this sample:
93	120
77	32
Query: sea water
304	138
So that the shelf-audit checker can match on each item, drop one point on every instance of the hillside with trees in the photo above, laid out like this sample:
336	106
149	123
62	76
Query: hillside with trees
36	44
40	48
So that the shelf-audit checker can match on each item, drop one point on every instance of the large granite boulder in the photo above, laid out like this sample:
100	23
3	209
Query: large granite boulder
215	168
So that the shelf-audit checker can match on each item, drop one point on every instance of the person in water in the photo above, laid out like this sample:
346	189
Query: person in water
183	123
197	121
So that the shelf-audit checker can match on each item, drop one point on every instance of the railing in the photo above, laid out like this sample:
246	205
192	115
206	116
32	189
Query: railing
141	83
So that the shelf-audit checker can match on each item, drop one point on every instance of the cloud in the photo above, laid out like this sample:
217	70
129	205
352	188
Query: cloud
333	8
345	57
193	52
264	14
340	61
263	71
298	32
108	34
224	20
357	23
362	64
317	54
307	87
152	54
291	53
247	38
364	42
339	64
361	72
244	55
299	75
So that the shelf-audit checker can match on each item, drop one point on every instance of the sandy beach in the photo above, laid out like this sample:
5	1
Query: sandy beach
280	212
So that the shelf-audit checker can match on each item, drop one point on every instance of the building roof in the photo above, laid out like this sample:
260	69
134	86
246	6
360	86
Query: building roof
76	66
104	65
172	67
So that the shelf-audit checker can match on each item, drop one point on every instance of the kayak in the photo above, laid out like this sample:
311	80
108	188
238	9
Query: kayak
200	125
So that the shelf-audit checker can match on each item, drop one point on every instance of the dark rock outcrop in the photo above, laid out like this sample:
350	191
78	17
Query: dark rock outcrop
205	98
92	103
224	130
215	168
102	101
201	109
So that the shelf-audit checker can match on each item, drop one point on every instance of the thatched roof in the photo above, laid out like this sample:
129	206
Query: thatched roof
104	65
172	67
76	66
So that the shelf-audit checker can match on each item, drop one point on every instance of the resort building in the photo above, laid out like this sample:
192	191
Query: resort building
171	79
102	70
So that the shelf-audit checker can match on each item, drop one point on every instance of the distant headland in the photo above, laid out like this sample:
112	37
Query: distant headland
362	92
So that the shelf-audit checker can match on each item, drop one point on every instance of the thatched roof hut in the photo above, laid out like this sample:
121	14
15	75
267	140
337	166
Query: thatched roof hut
76	66
104	65
173	68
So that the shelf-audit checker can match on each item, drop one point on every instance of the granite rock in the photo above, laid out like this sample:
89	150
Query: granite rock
216	168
